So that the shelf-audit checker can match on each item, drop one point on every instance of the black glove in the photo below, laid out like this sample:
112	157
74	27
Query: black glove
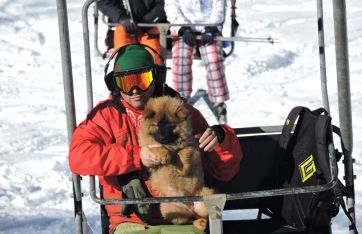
132	188
130	26
208	36
187	35
219	132
109	41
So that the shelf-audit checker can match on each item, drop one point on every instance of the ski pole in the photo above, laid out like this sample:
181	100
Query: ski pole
244	39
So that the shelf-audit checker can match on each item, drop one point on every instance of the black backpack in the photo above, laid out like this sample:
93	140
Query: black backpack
304	161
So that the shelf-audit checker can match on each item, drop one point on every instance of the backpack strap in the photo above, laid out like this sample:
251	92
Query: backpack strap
290	122
289	125
341	191
320	111
353	224
168	91
323	133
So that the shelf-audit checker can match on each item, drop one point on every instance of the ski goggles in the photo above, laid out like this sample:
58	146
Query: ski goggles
141	79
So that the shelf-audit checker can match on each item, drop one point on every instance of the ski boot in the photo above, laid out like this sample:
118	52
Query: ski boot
219	111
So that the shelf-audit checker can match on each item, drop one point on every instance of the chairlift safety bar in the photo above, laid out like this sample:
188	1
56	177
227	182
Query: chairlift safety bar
175	24
236	196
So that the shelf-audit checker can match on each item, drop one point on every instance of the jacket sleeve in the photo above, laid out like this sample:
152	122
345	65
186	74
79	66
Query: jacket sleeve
157	13
223	163
174	13
113	9
93	150
217	11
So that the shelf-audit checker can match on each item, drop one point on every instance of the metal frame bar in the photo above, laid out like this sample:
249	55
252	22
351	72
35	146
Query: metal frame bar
69	102
152	25
96	20
88	64
322	55
344	99
235	196
233	39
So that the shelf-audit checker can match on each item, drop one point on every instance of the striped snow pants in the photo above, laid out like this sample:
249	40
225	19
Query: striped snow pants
212	58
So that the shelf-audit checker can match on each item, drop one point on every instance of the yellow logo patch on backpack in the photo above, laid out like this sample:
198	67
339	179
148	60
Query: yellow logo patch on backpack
307	168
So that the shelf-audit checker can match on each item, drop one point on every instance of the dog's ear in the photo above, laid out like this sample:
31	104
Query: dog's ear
148	114
182	112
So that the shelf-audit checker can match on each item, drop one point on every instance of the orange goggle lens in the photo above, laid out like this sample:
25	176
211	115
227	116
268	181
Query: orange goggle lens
141	80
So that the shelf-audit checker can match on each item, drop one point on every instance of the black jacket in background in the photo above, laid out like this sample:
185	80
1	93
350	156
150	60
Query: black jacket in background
143	11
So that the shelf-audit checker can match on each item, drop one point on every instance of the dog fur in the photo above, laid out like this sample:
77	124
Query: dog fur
166	121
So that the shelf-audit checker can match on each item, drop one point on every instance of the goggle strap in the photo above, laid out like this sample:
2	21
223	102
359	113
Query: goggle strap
134	71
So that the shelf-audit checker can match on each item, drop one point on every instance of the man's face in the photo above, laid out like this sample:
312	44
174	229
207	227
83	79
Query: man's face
138	99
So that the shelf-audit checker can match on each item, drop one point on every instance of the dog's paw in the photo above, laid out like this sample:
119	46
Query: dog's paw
185	171
201	210
163	156
200	224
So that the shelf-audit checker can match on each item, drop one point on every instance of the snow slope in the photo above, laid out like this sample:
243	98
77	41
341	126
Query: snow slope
265	82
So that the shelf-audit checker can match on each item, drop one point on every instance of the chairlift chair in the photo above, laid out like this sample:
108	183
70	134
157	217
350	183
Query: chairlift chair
166	40
257	142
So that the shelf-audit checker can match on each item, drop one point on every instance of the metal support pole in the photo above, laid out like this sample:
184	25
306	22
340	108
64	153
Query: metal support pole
69	99
344	97
322	55
342	62
234	26
163	39
87	59
96	17
66	67
233	10
215	205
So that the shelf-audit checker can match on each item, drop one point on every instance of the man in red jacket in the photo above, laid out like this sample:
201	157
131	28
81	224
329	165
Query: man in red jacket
106	142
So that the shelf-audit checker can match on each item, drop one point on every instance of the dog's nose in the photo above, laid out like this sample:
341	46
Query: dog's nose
165	134
161	139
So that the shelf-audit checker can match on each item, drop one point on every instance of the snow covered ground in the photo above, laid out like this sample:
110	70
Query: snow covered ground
265	82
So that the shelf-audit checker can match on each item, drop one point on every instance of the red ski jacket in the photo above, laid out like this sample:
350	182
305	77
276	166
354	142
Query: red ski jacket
105	144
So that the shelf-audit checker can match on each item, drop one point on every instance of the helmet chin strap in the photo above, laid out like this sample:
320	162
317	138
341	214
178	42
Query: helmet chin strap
116	102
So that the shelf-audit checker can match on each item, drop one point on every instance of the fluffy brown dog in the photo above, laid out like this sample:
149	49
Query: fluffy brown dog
166	121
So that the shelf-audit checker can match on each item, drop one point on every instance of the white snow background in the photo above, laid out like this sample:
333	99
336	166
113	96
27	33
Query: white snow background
265	82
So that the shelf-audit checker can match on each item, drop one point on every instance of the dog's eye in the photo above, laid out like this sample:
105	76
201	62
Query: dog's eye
149	114
182	113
